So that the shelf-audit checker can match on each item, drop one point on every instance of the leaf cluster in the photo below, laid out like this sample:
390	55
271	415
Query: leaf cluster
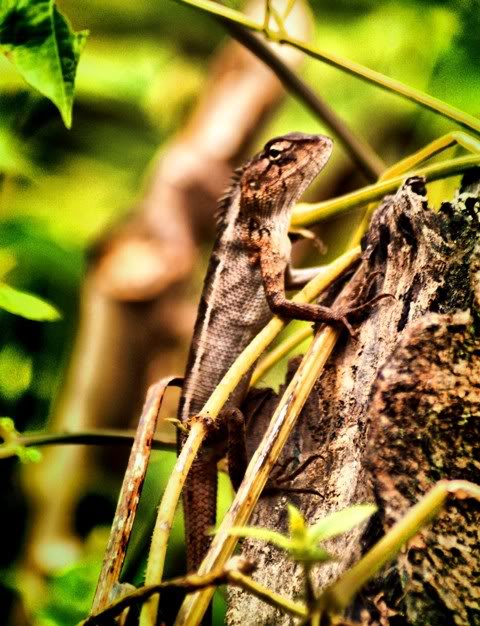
302	542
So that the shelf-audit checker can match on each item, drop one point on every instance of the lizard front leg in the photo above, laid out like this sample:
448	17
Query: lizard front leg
273	268
275	271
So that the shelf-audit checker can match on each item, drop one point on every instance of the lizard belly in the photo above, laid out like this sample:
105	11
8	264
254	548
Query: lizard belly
231	313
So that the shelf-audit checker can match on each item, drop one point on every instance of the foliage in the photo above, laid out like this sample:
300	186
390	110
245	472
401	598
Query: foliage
11	445
70	590
136	83
21	303
24	304
38	39
302	541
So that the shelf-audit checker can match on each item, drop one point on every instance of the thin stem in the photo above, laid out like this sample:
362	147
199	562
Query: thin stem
307	214
267	595
188	583
243	363
130	494
280	351
236	576
359	150
433	148
164	521
408	163
340	594
355	69
386	83
92	438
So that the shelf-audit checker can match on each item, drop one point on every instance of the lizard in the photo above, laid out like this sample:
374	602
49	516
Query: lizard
244	287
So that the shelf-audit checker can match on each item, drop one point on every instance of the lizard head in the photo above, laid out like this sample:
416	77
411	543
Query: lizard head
278	175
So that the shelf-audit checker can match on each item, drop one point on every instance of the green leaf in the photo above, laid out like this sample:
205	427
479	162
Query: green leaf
296	523
312	555
10	445
38	39
26	305
28	455
7	261
340	522
277	539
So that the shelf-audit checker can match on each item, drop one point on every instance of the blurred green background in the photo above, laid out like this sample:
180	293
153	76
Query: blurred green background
139	76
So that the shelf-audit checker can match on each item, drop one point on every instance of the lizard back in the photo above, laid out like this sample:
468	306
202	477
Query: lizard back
232	310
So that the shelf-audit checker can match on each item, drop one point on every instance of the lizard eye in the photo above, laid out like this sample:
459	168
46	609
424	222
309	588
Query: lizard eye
274	153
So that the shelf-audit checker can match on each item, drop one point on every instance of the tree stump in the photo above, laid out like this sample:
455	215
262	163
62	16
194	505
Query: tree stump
396	409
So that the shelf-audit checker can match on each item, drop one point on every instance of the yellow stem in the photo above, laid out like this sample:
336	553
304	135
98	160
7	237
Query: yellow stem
256	476
211	409
267	595
279	352
340	594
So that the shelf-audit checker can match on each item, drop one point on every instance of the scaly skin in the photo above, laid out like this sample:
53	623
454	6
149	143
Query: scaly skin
243	287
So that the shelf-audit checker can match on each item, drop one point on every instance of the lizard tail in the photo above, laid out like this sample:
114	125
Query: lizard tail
199	506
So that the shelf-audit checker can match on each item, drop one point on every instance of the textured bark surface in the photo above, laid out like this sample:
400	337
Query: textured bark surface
395	410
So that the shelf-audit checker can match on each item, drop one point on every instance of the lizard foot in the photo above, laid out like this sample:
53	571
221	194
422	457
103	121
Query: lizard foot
341	313
282	475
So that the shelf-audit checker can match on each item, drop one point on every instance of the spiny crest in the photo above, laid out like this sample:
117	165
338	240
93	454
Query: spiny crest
226	198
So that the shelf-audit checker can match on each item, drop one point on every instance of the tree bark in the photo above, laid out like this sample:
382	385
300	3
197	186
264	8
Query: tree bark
396	409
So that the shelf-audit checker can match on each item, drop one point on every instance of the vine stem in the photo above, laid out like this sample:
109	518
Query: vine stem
339	595
351	67
98	437
130	493
307	214
235	573
363	155
243	363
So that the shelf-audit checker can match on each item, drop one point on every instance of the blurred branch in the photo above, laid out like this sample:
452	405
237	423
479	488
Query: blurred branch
355	69
235	572
130	493
100	437
360	151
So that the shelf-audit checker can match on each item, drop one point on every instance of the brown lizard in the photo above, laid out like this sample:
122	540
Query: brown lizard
244	286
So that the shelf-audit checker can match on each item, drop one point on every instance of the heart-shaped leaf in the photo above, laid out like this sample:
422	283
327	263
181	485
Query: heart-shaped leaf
340	522
38	39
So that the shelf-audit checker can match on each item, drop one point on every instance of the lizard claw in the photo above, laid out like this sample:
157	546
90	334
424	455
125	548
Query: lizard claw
344	312
281	475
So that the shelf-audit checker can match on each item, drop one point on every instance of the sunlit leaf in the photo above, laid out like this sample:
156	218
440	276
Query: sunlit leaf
296	523
340	522
15	371
264	534
312	555
38	39
26	305
7	262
